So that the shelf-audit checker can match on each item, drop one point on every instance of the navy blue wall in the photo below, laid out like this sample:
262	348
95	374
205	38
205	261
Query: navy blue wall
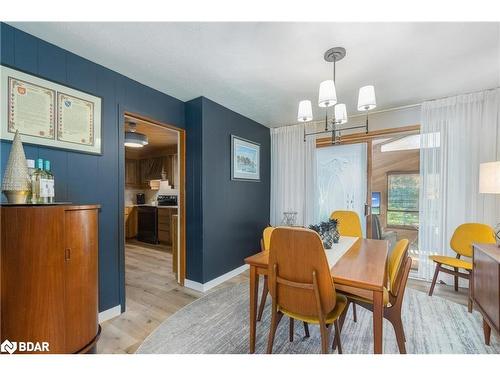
224	218
83	178
228	225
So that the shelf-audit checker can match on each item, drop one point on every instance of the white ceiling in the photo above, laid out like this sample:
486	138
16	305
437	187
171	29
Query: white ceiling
262	70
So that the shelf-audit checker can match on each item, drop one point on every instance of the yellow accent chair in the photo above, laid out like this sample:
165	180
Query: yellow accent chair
398	269
461	243
265	244
349	223
301	285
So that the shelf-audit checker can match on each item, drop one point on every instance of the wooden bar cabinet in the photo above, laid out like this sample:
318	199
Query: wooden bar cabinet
49	276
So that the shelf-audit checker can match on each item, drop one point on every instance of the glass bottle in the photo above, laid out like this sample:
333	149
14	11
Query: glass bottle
31	170
49	183
40	190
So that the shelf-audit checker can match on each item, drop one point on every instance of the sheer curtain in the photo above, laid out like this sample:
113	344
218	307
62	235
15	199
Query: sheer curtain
293	174
457	134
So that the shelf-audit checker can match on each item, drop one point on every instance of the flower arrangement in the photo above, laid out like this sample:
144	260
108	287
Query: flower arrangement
328	231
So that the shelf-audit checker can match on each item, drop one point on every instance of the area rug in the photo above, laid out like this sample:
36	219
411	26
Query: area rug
218	323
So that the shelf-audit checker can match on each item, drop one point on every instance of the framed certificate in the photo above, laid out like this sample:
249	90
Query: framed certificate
31	109
48	114
75	120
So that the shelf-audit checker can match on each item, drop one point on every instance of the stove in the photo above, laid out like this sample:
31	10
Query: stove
167	200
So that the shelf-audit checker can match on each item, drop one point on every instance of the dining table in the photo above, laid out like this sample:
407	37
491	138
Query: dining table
360	267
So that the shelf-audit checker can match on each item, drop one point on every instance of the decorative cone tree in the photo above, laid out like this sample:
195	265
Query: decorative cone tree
16	183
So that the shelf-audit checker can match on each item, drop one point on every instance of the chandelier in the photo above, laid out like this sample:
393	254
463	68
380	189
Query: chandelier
328	98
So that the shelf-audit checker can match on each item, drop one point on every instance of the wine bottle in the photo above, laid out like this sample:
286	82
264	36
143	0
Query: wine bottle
41	186
50	182
31	170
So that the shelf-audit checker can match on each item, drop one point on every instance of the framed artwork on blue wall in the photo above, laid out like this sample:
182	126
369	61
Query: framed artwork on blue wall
245	159
48	114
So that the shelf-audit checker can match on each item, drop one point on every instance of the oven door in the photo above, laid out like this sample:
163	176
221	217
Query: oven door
147	222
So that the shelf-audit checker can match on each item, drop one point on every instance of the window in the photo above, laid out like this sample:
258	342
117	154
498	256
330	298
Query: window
402	199
376	202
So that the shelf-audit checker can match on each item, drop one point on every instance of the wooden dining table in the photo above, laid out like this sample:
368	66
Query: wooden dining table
362	268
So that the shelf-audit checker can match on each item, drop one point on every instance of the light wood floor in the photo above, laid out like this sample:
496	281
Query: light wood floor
153	295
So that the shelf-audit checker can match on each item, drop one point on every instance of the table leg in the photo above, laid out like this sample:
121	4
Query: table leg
378	317
254	288
487	332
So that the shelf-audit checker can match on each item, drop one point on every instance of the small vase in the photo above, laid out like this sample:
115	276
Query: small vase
335	235
327	239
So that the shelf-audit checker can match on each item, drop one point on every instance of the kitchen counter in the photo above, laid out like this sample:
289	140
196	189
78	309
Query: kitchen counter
150	205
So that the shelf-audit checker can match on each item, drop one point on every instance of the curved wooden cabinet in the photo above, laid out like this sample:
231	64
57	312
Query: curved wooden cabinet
49	279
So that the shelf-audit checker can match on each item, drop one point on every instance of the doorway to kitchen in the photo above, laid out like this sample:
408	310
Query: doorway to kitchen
152	256
154	215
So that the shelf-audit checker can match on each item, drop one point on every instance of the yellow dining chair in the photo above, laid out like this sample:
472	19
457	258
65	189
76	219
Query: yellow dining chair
398	269
265	244
349	223
461	243
301	285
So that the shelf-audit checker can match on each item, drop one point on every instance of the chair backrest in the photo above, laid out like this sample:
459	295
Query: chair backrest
265	242
297	261
349	223
396	296
467	234
399	253
376	228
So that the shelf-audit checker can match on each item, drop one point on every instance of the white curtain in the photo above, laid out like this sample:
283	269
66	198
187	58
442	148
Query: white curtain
457	134
293	174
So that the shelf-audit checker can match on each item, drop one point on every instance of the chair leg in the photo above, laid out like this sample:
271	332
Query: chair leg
291	329
434	279
324	338
456	280
354	315
337	336
400	335
275	320
306	329
470	304
265	291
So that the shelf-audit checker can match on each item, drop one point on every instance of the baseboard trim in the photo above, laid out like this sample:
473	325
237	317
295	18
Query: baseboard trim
214	282
110	313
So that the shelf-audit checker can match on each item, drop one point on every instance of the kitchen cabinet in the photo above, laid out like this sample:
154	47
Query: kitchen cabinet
165	232
138	172
132	174
175	245
130	222
49	280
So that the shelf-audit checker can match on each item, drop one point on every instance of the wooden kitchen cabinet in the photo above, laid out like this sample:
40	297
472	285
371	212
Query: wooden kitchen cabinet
132	173
130	222
138	172
175	247
49	276
165	225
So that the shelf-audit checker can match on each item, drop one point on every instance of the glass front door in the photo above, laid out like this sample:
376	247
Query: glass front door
342	180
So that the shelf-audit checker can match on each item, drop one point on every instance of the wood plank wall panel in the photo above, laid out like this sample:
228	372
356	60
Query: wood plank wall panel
84	178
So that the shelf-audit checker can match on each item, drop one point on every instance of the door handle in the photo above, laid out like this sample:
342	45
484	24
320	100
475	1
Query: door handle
67	254
367	209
